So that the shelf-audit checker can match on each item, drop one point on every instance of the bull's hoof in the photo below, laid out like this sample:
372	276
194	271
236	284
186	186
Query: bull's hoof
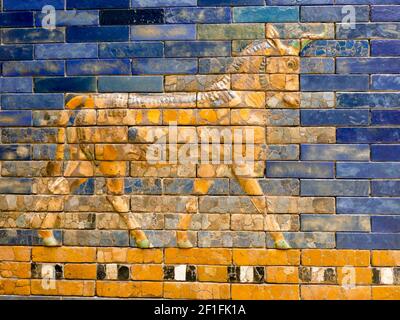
185	244
50	242
282	244
143	244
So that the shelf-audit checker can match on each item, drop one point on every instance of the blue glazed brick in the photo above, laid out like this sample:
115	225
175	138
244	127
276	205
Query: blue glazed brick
16	19
31	4
66	51
266	14
336	48
32	101
381	2
323	222
97	34
368	65
33	68
16	85
15	152
197	48
367	135
131	50
97	4
68	84
367	100
163	3
331	13
334	152
334	188
385	188
385	117
164	66
197	15
86	188
385	13
367	241
142	186
126	17
71	18
164	32
98	67
297	2
16	52
45	152
334	82
385	224
213	3
385	48
368	206
385	82
385	152
29	135
292	169
317	65
312	117
15	185
15	118
369	30
131	84
368	170
38	35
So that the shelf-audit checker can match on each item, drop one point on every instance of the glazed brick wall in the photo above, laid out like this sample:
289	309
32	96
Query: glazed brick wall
329	168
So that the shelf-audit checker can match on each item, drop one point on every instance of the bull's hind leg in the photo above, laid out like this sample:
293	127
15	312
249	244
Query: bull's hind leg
252	188
116	186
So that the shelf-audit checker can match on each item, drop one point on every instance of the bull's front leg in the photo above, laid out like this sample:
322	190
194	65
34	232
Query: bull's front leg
252	188
116	188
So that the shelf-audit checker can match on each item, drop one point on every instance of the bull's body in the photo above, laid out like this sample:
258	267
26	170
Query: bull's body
218	95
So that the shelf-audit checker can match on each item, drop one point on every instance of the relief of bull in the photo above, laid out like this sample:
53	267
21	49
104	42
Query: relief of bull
218	94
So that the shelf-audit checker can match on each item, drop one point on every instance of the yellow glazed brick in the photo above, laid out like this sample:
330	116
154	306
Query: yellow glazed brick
117	289
15	253
15	269
213	256
63	288
279	274
63	254
266	257
386	258
354	275
80	271
386	292
212	273
14	287
265	292
301	135
147	272
326	292
125	255
196	290
331	258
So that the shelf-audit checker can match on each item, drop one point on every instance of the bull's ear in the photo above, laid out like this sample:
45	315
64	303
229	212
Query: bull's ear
271	32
